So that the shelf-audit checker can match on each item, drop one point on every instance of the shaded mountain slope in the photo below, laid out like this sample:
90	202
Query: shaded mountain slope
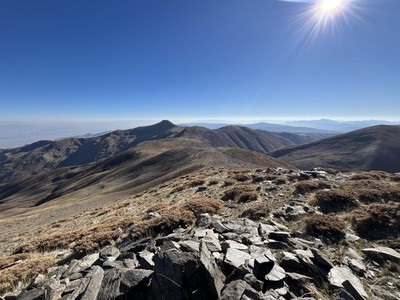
129	172
246	138
47	155
372	148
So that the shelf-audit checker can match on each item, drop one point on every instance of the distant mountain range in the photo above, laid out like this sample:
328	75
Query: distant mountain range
123	162
311	126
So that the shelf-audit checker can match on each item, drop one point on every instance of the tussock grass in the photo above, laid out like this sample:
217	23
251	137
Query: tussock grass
308	186
335	200
329	228
240	193
256	211
377	221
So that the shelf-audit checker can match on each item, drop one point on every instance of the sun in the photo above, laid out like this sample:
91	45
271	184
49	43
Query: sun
329	8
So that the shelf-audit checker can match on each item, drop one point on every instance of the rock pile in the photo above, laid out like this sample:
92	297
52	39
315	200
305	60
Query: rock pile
218	259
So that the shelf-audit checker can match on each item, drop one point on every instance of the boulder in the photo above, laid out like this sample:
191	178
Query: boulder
203	220
178	274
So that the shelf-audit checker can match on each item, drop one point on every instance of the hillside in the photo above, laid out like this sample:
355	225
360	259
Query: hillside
126	173
34	159
215	233
371	148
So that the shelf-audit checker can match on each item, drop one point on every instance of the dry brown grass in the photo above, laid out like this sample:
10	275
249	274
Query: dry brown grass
256	211
196	182
370	191
377	221
375	175
27	266
329	228
335	200
241	177
82	240
240	193
229	182
174	216
279	180
308	186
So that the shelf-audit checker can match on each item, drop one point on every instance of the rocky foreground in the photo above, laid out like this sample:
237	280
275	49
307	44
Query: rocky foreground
326	235
237	259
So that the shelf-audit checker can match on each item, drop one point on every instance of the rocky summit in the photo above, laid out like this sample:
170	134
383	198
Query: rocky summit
220	234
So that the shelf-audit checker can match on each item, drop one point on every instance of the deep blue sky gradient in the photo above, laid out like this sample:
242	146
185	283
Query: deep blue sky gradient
194	60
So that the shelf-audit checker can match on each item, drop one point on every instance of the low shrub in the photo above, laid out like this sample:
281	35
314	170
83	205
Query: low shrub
308	186
241	177
376	175
241	193
328	228
280	180
335	200
257	179
229	182
374	191
256	211
377	221
201	205
248	196
196	182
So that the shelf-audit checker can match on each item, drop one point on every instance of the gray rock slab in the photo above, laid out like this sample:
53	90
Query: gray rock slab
110	285
276	274
190	246
383	253
235	258
79	289
131	278
145	259
212	242
233	290
282	236
81	265
357	266
32	294
338	275
233	244
108	252
215	277
321	258
93	288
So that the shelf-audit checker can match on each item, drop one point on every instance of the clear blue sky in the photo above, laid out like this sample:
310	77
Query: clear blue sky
197	59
